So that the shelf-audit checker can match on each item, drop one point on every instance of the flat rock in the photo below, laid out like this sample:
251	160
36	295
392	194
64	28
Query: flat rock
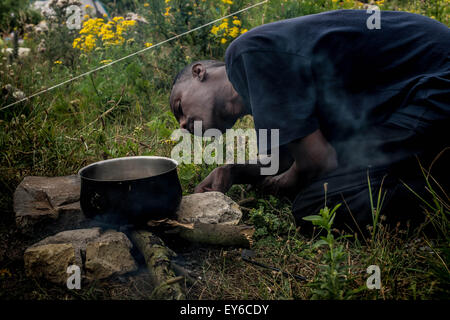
46	205
78	238
109	255
209	207
49	261
98	254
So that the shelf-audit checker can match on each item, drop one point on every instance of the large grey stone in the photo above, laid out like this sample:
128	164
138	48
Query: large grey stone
46	205
78	238
209	207
109	255
49	261
98	254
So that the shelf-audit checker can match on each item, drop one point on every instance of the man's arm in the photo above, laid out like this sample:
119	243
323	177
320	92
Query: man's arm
222	178
313	157
301	161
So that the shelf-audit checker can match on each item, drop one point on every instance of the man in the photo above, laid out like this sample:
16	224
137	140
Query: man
347	101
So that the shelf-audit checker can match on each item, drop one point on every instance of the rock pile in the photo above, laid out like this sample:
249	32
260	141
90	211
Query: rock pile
50	206
45	205
99	255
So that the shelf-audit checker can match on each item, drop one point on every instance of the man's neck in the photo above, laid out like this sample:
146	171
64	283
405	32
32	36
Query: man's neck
235	106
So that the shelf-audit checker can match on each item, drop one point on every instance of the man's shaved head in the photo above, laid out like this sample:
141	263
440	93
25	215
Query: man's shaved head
202	92
186	73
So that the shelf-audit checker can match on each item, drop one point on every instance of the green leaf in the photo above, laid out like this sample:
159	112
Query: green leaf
319	243
312	218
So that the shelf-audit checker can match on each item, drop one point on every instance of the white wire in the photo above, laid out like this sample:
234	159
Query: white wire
130	55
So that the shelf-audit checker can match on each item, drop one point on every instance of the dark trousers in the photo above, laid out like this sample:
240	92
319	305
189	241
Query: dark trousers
351	189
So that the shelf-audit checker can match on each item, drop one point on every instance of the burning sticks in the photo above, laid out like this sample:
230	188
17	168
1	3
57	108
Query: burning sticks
157	257
213	234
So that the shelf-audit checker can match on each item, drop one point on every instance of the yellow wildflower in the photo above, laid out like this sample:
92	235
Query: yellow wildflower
129	23
234	32
227	1
76	42
58	62
109	33
167	11
166	1
223	40
223	25
214	30
170	142
88	6
243	31
106	61
119	40
89	42
148	44
146	5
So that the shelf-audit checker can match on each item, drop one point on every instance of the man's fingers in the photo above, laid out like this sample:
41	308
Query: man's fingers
200	189
217	180
204	186
266	183
218	187
269	185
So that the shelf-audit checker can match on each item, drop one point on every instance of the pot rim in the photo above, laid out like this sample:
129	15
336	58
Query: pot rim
123	159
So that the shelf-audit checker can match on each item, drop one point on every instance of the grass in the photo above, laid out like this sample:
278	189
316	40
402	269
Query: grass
412	266
123	111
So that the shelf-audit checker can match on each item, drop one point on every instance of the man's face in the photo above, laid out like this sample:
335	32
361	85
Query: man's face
194	100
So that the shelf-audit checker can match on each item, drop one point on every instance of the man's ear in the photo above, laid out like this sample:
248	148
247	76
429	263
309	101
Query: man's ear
199	71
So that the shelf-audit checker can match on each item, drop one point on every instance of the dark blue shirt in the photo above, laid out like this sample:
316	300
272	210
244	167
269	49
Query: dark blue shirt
364	88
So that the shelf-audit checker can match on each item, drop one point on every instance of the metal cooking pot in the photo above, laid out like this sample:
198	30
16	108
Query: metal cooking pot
130	189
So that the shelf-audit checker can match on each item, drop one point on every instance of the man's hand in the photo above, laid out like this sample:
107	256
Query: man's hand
309	157
286	184
220	179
